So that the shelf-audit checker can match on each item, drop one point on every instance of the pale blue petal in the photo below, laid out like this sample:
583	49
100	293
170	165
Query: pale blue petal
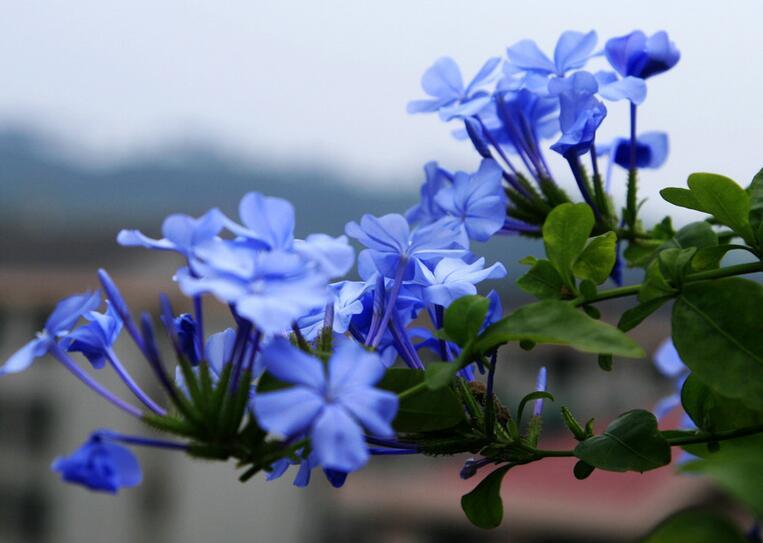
334	256
573	50
629	88
443	79
526	55
375	409
338	440
69	310
287	412
135	238
268	219
219	349
23	358
427	106
668	361
351	366
484	75
289	364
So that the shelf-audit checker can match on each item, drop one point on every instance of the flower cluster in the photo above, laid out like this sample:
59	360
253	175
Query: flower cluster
326	344
536	97
305	373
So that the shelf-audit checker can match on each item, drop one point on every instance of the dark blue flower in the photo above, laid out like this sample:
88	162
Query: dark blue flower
64	316
185	331
475	203
651	150
640	56
100	465
443	82
95	339
331	407
580	112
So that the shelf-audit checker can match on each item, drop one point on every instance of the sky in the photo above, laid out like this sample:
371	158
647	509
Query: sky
327	82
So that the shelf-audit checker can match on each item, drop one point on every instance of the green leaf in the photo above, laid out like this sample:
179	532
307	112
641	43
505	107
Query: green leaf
655	285
696	234
440	374
483	505
713	412
558	323
725	200
695	526
582	470
427	411
737	469
542	281
709	258
565	233
631	442
717	331
605	362
676	263
464	318
636	315
597	259
755	190
681	197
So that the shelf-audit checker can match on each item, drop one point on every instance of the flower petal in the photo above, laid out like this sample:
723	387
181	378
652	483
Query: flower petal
338	440
289	411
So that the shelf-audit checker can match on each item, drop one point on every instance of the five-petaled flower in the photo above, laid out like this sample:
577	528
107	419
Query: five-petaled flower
330	405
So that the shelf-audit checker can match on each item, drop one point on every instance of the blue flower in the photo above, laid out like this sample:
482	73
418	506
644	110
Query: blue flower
217	353
651	150
572	51
453	278
443	82
580	112
95	339
333	257
628	88
390	243
271	289
668	362
427	210
347	303
64	316
181	233
306	466
100	465
636	55
331	407
475	203
185	331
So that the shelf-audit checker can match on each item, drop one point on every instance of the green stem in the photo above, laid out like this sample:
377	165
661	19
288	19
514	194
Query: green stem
709	437
631	290
413	391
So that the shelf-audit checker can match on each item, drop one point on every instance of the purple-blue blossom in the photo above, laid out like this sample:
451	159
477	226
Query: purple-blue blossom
443	82
333	405
100	465
181	233
452	278
95	339
572	51
640	56
64	316
580	112
475	203
393	248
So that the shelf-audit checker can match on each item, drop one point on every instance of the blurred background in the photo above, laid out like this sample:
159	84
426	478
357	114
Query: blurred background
114	114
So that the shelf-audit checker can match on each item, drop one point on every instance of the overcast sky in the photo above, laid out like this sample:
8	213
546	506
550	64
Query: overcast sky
327	81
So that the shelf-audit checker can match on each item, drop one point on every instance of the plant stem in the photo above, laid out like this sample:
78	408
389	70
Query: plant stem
621	292
708	437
